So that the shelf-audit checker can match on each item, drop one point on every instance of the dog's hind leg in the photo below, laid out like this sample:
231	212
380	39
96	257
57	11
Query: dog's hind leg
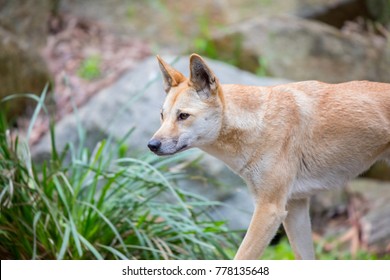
298	228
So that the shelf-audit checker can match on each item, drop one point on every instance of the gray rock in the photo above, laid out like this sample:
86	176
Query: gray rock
299	49
237	209
135	101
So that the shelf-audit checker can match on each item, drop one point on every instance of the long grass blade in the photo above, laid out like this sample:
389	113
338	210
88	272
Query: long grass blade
65	242
20	95
91	248
114	251
65	202
75	235
37	110
36	219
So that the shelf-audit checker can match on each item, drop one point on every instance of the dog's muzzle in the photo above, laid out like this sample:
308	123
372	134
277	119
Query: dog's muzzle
154	145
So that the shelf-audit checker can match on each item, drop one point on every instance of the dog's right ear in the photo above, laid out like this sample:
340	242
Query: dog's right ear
202	77
171	77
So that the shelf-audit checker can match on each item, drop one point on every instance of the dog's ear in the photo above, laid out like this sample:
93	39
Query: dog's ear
201	77
171	77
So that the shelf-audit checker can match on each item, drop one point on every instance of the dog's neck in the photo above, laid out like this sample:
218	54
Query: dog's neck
233	142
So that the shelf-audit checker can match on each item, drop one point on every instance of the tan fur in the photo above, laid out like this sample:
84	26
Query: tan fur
287	142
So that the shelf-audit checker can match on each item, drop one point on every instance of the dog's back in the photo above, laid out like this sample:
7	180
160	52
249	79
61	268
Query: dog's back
343	129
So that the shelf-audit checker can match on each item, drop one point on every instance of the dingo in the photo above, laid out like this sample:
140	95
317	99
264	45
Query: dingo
287	141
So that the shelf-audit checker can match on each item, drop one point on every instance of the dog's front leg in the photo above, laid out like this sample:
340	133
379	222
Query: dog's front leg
270	187
265	221
298	228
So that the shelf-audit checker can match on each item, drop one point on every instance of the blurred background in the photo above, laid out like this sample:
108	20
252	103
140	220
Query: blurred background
80	97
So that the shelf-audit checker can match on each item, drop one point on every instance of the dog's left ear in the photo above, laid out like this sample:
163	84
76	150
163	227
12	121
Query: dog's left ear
201	77
171	77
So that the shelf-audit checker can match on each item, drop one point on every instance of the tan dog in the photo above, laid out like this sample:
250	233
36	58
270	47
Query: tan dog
287	142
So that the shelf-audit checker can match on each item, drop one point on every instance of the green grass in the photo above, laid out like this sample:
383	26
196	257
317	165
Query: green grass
93	204
283	251
90	68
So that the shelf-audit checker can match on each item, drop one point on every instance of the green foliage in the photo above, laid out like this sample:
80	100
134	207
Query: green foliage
90	204
283	251
280	251
90	68
203	43
379	10
262	69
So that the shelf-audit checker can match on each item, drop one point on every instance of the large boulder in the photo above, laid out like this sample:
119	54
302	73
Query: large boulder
299	49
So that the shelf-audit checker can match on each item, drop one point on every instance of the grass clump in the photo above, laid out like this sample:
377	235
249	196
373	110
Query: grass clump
90	68
90	204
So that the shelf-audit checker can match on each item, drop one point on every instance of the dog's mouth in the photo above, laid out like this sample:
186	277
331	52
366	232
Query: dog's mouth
169	153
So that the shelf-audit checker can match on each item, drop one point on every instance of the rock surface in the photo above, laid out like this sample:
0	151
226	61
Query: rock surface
299	49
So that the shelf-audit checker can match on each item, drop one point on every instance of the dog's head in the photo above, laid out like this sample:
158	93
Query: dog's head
192	112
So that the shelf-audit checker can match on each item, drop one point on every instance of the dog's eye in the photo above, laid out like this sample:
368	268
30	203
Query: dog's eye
183	116
162	116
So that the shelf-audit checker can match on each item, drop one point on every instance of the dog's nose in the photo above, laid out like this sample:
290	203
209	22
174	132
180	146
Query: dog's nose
154	145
